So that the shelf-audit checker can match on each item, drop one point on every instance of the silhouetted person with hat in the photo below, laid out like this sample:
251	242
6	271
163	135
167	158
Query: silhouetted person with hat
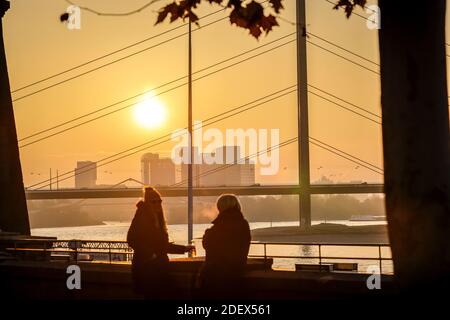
226	245
149	239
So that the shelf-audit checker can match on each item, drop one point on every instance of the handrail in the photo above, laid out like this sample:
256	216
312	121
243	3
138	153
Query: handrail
380	258
252	242
337	244
93	247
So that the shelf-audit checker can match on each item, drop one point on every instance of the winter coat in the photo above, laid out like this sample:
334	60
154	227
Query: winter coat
150	241
226	245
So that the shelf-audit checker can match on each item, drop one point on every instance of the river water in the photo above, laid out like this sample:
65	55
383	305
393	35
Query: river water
117	231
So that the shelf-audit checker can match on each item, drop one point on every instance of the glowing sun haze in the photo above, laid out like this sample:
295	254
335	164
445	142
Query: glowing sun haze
150	113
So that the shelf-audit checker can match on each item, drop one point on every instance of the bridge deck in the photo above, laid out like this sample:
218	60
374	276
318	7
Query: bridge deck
205	191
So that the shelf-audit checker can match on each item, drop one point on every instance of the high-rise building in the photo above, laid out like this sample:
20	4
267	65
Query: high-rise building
157	171
85	174
228	172
146	160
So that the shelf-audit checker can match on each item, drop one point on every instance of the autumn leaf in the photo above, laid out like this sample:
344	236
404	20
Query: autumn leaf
64	17
255	31
276	5
349	5
215	1
174	10
248	15
267	23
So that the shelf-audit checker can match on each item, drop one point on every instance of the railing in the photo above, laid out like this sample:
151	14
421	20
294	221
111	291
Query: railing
119	251
108	251
320	256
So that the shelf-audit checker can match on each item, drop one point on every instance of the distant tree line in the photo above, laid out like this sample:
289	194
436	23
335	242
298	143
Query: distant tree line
61	213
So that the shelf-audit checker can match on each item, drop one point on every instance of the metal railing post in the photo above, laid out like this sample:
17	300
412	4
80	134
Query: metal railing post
265	252
320	257
381	261
109	245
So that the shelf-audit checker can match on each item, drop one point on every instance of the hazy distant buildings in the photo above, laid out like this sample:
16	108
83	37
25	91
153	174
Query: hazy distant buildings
85	174
228	172
157	171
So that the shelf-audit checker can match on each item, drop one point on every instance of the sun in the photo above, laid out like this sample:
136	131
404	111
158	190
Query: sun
150	113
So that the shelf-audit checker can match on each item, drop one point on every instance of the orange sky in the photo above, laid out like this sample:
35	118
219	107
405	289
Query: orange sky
38	45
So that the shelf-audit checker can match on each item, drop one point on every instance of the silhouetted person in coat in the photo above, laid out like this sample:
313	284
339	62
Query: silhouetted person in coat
150	241
226	245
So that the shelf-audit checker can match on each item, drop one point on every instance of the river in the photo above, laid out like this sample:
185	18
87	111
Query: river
117	231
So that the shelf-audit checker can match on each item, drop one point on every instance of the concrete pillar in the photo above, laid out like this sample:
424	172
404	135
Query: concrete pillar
303	131
13	206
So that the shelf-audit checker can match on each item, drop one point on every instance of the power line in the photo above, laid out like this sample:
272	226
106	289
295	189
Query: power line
161	43
226	166
367	19
344	49
348	109
352	104
342	57
313	93
347	154
173	81
168	136
123	14
168	90
111	63
332	43
153	46
342	156
333	150
124	48
109	54
153	89
127	155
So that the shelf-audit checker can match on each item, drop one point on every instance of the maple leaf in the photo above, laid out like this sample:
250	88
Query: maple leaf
253	12
215	1
64	17
255	31
193	17
162	14
349	5
234	3
247	15
276	5
237	18
267	23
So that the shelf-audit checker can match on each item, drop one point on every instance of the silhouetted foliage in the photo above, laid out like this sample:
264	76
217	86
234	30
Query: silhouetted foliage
349	5
249	16
64	17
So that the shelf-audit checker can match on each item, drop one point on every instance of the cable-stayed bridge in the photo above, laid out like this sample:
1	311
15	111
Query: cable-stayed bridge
302	88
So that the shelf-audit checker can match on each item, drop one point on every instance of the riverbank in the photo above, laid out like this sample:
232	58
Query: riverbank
324	233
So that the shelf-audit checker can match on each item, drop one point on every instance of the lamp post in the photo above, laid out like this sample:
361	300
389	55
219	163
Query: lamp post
190	143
